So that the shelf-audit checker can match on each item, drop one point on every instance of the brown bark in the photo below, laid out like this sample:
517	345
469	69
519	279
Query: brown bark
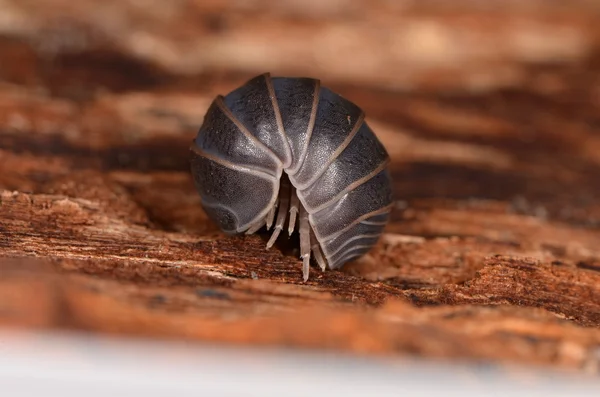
494	248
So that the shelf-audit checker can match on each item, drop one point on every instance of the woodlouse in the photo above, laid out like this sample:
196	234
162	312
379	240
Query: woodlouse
279	145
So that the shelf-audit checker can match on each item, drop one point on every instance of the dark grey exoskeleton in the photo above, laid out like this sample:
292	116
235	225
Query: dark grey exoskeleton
289	145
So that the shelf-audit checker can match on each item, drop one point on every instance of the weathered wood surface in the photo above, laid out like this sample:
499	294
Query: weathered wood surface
490	111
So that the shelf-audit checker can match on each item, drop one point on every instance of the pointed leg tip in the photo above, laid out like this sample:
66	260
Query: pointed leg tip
318	255
305	274
305	267
292	223
273	238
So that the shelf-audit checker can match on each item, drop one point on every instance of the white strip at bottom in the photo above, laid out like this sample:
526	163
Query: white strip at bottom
65	365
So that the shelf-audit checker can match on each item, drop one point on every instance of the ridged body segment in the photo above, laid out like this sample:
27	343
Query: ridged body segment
297	99
221	137
335	120
225	192
252	104
356	162
334	161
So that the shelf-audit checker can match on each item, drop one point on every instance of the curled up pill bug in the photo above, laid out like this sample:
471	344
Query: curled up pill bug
288	154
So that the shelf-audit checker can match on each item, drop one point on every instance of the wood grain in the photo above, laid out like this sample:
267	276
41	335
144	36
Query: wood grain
493	252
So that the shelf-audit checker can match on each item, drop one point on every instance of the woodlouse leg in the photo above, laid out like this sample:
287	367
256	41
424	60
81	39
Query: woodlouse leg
293	211
304	242
316	250
284	202
271	215
253	228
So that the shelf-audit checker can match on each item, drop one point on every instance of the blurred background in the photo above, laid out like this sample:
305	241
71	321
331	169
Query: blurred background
110	271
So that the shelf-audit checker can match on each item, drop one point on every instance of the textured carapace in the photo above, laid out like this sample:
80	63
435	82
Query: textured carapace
287	145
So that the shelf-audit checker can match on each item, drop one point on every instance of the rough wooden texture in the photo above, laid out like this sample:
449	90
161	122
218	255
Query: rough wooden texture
490	111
